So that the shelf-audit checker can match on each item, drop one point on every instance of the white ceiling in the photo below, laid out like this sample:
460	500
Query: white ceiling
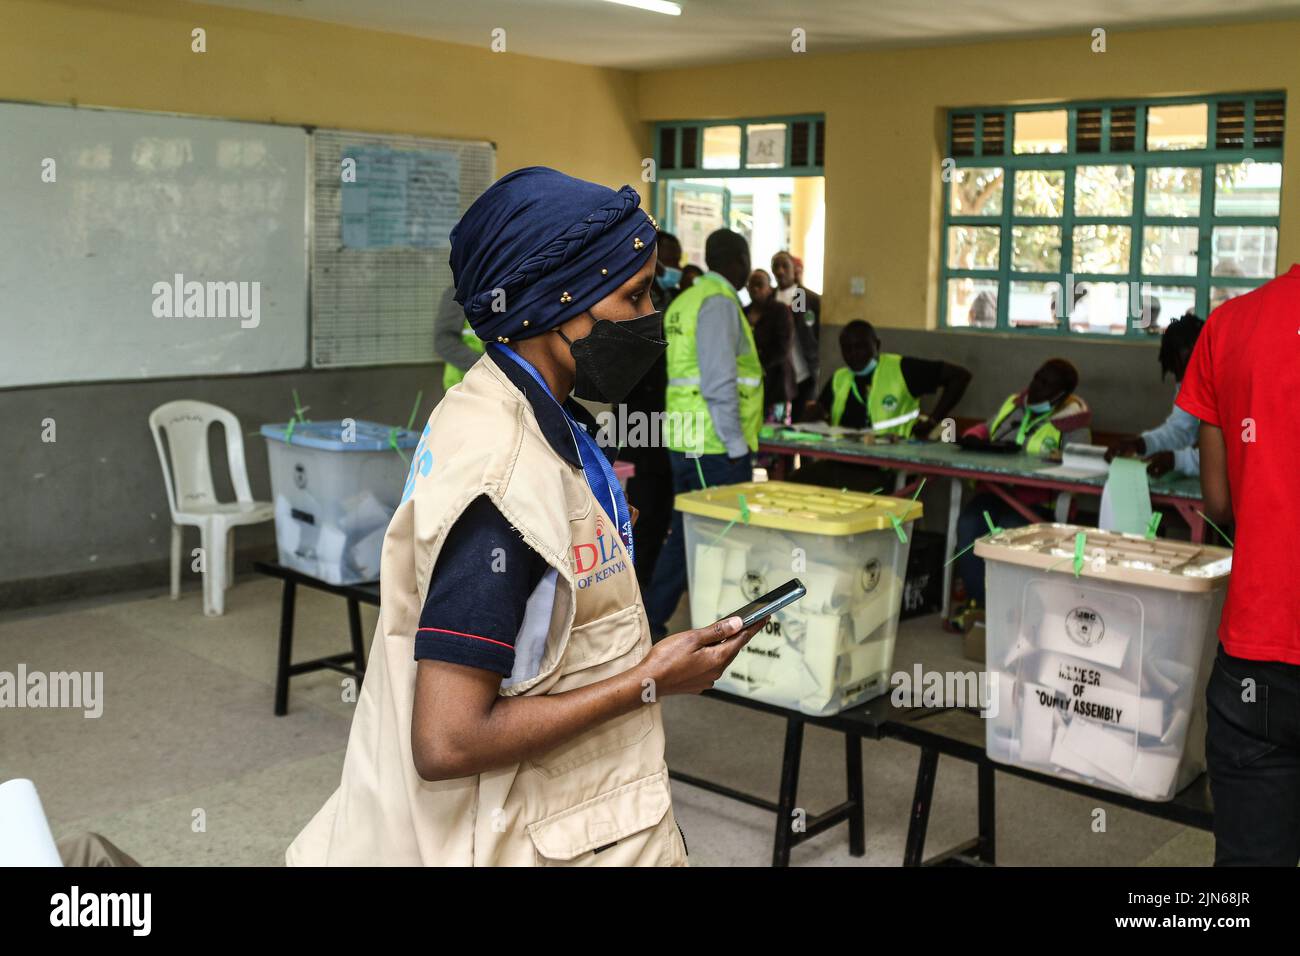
715	31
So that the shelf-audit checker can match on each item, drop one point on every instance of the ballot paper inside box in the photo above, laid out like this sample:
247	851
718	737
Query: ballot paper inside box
834	648
335	486
1101	674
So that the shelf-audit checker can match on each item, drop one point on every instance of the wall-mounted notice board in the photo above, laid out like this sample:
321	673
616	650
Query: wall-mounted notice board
383	208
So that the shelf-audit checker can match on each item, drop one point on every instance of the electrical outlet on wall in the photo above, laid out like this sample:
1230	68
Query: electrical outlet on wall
857	285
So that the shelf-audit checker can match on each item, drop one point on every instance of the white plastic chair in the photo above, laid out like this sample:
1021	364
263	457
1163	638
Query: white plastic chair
25	838
190	493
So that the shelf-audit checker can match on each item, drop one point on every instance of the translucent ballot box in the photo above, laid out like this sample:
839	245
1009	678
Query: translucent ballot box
1098	651
336	486
834	648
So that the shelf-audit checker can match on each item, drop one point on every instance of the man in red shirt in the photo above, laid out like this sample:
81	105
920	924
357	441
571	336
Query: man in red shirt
1244	385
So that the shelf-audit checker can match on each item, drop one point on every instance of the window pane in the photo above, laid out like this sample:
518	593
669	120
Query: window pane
1100	308
1169	250
1033	305
1173	191
1220	294
973	247
1042	131
1103	191
1245	251
1158	305
1040	192
764	145
1101	249
1177	127
973	303
976	191
1247	189
721	147
1036	248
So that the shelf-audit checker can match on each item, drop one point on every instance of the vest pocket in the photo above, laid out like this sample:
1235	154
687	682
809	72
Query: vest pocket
602	640
598	650
627	826
612	735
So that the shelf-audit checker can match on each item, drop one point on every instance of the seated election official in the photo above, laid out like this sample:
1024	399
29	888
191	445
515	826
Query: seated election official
882	391
509	713
1042	417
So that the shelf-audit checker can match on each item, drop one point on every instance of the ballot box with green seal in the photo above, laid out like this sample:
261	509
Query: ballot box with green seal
336	485
834	648
1098	649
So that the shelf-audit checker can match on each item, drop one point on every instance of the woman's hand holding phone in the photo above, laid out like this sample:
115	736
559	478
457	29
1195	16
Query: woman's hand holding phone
689	662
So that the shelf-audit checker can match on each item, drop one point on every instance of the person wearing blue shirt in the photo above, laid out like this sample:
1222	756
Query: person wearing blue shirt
1172	445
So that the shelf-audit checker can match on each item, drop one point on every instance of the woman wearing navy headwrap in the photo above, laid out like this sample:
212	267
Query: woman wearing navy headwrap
509	713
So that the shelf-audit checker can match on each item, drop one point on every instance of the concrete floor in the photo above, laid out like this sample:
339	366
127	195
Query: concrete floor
188	765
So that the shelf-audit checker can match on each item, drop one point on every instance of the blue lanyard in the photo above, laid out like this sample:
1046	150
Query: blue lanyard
599	473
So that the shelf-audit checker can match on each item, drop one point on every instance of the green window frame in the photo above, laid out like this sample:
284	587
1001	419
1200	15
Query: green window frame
1240	128
679	147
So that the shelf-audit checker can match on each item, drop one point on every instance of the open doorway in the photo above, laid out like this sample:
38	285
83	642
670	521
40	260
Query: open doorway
772	213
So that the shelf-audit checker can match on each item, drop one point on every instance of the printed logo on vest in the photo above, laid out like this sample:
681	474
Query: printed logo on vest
421	464
594	561
890	402
1085	626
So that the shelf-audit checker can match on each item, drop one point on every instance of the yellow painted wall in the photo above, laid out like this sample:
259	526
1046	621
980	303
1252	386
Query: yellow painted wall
135	54
884	129
884	109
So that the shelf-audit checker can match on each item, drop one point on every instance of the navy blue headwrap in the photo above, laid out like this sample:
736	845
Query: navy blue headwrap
539	247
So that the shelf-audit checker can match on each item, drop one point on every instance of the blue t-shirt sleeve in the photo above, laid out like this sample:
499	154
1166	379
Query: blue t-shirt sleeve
478	592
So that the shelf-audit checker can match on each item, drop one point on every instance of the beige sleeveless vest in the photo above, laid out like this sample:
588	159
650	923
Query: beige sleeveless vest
603	797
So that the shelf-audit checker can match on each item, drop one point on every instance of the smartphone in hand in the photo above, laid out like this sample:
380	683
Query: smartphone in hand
769	603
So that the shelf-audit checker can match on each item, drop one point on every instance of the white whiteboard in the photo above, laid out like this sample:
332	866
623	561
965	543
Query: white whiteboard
139	198
379	263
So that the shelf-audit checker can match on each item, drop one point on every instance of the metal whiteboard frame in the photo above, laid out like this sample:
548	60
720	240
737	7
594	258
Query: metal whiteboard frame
307	206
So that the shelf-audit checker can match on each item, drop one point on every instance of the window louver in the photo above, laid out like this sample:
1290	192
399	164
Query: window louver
1230	125
1123	129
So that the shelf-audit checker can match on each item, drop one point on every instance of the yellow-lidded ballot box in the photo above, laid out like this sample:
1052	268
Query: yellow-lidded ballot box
834	648
1098	649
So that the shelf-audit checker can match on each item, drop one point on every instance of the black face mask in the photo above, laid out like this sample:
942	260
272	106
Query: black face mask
614	356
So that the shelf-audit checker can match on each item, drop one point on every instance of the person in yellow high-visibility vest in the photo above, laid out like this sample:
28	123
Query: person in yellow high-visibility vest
882	390
454	341
714	402
1041	418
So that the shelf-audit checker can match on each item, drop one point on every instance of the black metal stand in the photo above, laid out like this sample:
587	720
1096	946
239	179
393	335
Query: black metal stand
959	733
791	828
352	663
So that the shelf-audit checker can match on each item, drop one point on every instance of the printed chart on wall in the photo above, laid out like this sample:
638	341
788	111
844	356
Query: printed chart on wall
384	209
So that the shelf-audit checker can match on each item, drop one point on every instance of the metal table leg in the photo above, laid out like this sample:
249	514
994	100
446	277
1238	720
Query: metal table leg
789	793
286	648
354	626
857	813
954	512
988	817
920	820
